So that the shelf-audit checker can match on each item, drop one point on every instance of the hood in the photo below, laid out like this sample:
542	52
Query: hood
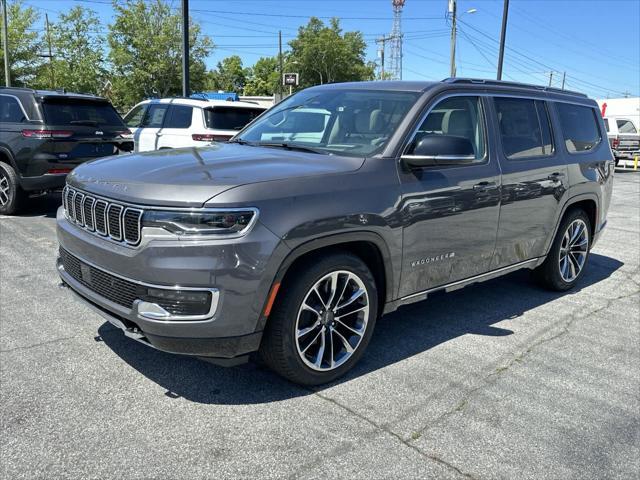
191	176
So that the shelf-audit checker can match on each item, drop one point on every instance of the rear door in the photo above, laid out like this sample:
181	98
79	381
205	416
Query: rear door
534	178
176	129
151	124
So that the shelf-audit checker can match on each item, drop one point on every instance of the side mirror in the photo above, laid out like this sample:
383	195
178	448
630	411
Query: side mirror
440	150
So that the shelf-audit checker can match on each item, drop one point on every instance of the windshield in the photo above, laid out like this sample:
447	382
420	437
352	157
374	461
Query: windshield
230	118
79	112
344	122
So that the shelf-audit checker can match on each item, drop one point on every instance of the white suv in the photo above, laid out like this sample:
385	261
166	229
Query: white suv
187	122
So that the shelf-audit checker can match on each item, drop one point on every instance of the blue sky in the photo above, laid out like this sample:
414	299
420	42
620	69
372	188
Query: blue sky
596	42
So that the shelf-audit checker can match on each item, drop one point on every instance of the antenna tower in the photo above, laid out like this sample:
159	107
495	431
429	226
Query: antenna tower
395	57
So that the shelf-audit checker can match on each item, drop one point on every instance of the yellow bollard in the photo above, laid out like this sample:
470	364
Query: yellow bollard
635	162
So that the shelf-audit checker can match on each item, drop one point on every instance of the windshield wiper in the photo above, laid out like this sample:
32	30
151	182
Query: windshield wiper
239	141
289	146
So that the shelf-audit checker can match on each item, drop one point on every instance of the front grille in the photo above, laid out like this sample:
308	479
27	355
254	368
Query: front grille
118	222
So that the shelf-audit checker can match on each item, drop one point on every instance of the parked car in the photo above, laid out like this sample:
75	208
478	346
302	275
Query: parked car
292	243
623	137
187	122
45	134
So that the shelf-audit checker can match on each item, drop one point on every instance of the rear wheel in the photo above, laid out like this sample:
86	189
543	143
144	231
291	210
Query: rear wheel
569	253
323	320
12	197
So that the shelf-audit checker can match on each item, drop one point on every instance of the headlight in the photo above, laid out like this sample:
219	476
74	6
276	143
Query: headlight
222	222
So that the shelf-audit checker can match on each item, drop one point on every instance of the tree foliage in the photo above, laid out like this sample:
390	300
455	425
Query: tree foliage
24	44
79	58
229	75
323	54
145	52
264	77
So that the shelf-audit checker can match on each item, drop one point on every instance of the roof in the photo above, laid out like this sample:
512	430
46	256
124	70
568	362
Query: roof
53	93
202	102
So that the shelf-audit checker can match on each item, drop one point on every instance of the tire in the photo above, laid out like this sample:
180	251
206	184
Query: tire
561	270
12	197
293	354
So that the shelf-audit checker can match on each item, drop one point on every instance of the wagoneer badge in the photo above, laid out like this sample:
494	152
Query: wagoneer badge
437	258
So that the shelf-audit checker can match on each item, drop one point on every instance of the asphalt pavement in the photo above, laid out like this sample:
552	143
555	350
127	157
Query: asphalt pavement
498	380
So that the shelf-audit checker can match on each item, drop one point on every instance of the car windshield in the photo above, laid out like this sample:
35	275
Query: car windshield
230	118
344	122
81	112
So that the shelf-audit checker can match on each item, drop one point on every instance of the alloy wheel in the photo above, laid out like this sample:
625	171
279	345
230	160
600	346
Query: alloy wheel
5	189
332	320
573	250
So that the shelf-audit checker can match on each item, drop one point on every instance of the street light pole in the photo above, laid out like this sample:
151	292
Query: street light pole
452	11
185	49
503	34
5	42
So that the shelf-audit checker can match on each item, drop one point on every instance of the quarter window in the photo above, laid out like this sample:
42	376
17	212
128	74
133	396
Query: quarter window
134	118
579	127
179	116
524	127
10	111
626	126
459	117
154	116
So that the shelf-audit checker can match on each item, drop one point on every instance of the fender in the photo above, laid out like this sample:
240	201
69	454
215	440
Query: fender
572	201
323	242
12	162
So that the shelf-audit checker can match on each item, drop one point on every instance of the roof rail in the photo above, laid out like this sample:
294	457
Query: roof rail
501	83
24	89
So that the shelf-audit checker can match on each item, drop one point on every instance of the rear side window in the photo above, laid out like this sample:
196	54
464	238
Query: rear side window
606	124
579	127
525	130
10	110
229	118
80	112
154	116
178	116
626	126
134	118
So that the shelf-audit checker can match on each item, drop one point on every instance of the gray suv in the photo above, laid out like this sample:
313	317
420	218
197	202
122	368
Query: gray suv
336	206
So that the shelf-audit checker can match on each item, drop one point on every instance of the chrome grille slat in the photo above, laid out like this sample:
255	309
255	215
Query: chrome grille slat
115	221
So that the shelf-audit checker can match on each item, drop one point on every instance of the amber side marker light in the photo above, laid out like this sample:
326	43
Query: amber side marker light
272	298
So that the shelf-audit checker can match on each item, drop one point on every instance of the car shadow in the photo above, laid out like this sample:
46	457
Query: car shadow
411	330
42	206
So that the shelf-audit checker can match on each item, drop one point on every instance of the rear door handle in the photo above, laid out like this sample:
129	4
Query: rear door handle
484	186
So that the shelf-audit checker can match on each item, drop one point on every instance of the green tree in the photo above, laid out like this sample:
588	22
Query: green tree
264	77
229	75
145	52
24	44
323	54
79	58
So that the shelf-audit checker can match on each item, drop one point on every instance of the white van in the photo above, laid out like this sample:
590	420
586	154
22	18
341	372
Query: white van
187	122
623	137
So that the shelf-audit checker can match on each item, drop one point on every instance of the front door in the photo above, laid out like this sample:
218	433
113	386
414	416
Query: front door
450	212
151	125
175	131
534	179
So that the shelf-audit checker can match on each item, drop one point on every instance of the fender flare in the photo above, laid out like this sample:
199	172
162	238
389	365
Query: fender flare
567	205
12	162
330	240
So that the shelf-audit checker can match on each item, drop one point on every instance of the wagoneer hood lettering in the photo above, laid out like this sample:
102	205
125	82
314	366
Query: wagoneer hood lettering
190	176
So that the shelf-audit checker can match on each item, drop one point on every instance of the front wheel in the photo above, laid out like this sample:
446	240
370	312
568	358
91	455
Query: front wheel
323	320
569	253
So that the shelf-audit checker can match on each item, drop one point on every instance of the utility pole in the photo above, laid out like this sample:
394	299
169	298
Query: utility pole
382	41
503	35
550	77
5	42
185	49
53	75
280	66
452	12
564	77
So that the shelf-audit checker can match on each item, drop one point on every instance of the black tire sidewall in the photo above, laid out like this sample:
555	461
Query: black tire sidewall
553	270
14	199
305	279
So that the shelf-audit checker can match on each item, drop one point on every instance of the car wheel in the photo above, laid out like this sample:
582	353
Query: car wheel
323	320
11	195
567	259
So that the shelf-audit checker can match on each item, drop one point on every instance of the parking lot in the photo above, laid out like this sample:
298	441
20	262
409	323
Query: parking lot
498	380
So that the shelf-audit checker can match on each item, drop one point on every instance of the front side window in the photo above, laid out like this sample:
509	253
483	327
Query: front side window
524	127
579	127
10	110
230	118
459	119
133	119
626	126
179	116
154	116
73	111
335	121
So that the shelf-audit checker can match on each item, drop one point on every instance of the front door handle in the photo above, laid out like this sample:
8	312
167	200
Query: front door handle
485	186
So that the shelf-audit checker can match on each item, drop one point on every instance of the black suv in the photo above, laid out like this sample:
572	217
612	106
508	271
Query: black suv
337	205
45	134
